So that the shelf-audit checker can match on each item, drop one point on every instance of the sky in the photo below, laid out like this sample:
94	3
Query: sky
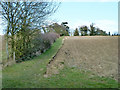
104	13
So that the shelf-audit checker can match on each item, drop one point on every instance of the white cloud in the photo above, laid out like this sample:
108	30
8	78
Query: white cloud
63	0
87	0
80	23
108	0
106	25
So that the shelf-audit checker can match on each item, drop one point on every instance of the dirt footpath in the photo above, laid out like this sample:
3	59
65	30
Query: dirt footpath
98	54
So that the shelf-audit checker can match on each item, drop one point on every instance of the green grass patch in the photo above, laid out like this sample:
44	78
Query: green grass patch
25	74
29	74
74	78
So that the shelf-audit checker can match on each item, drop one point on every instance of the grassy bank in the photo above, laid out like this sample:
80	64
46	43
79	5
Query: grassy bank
74	78
29	74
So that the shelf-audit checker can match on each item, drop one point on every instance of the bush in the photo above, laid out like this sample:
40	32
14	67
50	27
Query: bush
51	37
40	43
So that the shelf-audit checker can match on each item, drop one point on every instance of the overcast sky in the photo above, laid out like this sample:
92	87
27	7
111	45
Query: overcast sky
104	13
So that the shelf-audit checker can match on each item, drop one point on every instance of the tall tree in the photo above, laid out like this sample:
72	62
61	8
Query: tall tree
92	30
67	28
60	29
76	33
84	30
22	17
109	33
98	31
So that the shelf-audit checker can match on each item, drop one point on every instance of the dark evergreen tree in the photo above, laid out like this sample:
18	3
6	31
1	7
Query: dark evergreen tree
109	33
92	30
76	33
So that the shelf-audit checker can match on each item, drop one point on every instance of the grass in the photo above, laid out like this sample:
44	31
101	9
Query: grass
0	61
29	74
74	78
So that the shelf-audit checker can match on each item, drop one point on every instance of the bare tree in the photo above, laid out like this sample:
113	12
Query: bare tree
22	17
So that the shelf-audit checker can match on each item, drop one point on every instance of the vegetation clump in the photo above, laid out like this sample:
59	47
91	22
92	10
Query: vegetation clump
92	31
76	33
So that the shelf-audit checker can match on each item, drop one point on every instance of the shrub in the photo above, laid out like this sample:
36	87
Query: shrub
40	43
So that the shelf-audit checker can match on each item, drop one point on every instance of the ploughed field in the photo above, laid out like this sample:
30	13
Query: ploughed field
97	54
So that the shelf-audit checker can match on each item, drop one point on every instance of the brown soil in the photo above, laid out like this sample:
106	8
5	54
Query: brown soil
98	54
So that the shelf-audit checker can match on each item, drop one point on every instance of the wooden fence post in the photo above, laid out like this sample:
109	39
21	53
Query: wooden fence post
7	49
14	56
